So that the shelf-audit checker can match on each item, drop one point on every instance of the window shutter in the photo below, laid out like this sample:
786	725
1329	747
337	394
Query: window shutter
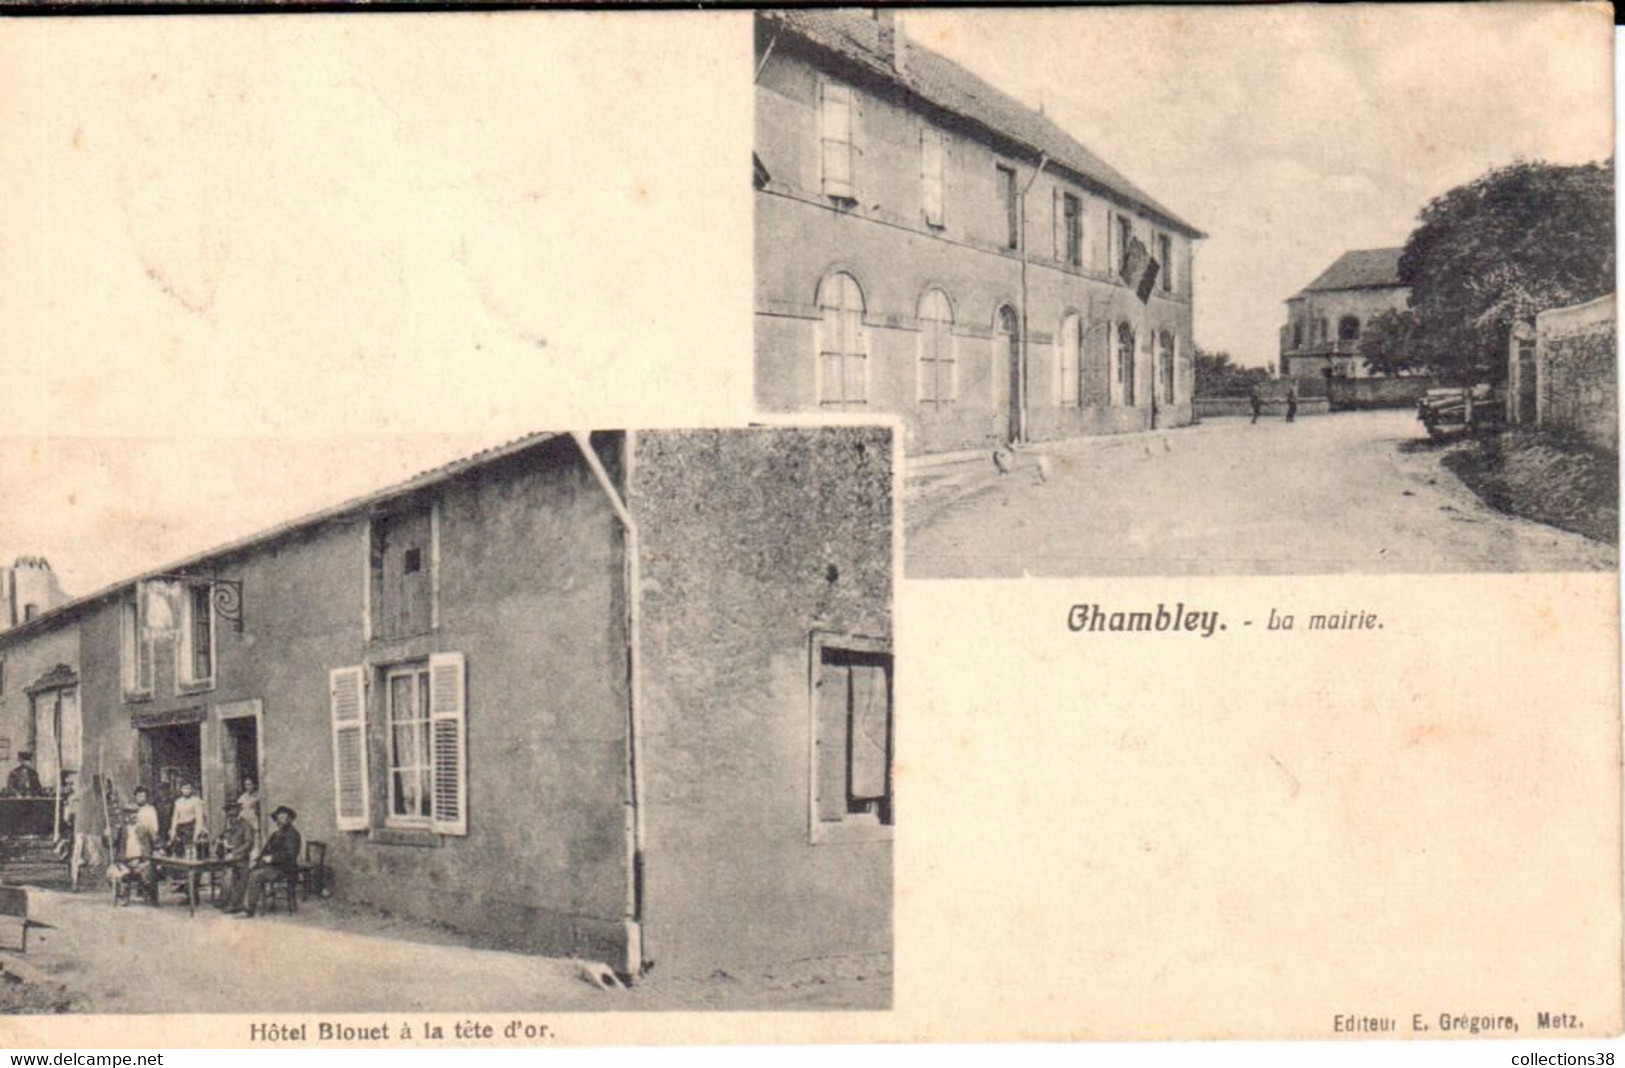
933	164
837	122
448	731
858	386
871	732
1057	222
831	743
855	143
347	701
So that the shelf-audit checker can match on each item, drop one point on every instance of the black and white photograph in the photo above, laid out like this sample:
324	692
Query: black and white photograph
475	574
342	670
1352	313
580	721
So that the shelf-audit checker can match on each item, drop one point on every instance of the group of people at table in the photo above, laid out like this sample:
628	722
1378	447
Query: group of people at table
248	859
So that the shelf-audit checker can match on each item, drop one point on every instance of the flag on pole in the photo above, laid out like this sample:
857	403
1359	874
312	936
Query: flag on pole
1139	269
1148	281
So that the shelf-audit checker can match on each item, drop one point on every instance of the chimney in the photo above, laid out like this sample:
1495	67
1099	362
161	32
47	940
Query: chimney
891	37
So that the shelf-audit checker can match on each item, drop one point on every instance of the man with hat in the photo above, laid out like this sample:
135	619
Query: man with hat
236	846
24	780
278	858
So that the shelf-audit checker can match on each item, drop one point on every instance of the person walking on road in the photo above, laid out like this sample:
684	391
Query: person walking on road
1255	400
1292	403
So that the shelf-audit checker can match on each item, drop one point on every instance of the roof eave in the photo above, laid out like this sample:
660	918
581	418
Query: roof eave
344	510
891	77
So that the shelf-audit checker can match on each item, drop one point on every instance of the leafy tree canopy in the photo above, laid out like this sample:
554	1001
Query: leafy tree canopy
1516	241
1388	342
1218	375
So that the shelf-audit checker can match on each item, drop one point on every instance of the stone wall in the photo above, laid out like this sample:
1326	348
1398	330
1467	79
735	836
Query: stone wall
753	541
1350	394
1577	369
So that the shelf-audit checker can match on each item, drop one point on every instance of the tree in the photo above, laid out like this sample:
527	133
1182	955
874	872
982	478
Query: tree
1516	241
1388	342
1218	375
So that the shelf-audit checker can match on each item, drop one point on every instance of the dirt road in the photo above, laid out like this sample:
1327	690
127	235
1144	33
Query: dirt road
1353	492
336	959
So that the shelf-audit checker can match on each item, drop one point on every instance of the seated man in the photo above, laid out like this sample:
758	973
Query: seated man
132	858
278	859
24	780
236	846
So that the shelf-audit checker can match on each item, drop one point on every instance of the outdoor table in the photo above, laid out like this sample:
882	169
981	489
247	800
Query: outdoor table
192	869
27	816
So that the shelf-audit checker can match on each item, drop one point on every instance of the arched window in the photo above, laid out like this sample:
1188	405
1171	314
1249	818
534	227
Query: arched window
1125	364
1069	354
1348	328
938	377
843	346
1165	357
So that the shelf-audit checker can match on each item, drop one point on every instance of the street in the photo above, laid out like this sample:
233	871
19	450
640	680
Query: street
334	958
1334	493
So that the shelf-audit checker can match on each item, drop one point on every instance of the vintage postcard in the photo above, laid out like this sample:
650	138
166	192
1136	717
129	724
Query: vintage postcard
1092	383
474	572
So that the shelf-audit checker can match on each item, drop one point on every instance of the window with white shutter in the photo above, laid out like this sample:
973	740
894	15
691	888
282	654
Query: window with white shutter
448	726
836	123
1125	364
1069	351
136	654
932	165
938	378
347	703
843	345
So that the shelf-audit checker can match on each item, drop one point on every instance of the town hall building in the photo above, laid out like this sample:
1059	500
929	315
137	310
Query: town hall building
929	247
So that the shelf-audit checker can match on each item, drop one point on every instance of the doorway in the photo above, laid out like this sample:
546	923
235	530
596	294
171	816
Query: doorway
240	753
172	755
1009	342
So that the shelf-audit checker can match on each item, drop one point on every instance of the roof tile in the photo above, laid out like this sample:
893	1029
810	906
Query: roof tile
855	36
1362	268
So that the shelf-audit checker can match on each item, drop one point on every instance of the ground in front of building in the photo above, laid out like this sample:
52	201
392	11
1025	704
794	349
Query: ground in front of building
1345	493
86	955
1549	477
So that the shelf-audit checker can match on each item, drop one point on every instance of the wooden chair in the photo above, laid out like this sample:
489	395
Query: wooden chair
283	886
313	872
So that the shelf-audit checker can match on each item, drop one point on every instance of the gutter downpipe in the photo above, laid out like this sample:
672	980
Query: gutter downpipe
632	920
1021	369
